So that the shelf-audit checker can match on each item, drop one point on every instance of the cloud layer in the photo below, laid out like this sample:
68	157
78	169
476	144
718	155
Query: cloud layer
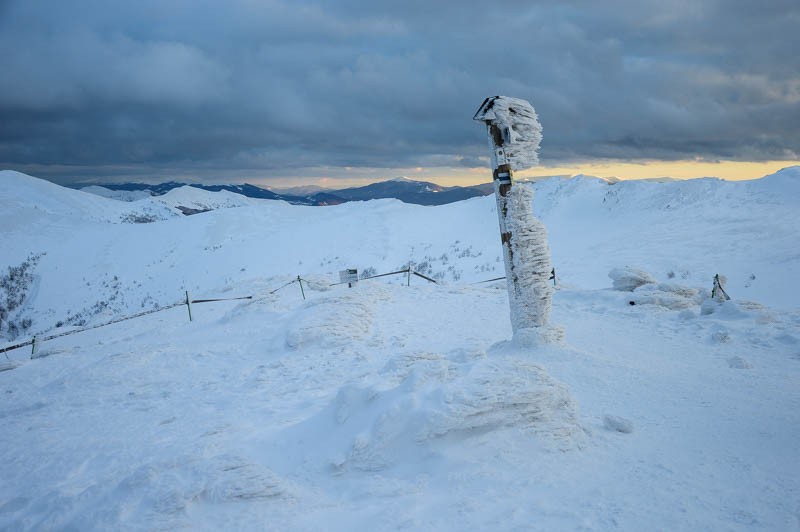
268	85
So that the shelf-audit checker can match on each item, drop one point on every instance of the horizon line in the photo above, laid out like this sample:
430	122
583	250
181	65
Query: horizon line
346	177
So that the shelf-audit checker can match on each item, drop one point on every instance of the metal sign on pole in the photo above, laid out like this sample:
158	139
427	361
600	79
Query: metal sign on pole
349	276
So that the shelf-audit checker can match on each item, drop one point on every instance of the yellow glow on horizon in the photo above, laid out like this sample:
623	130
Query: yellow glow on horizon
331	177
730	170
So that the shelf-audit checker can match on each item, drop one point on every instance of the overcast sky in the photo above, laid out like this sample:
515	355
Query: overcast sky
223	90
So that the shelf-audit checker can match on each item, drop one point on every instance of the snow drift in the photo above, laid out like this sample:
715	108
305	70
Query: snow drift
376	428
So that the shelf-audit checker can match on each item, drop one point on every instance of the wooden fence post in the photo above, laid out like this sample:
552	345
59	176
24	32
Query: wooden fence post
189	305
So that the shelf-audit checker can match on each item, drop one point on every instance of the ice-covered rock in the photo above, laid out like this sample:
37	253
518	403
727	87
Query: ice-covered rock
618	424
738	362
671	296
628	279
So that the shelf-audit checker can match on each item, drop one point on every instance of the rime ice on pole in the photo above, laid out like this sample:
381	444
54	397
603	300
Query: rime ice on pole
533	292
514	136
519	129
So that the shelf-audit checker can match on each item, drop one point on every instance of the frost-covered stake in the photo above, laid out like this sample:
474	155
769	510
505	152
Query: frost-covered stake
189	305
514	136
718	292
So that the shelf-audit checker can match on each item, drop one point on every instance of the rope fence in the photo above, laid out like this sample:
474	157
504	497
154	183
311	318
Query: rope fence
298	280
490	280
551	278
407	271
37	339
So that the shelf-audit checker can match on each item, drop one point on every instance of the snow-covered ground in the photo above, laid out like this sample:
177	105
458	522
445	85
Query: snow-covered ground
122	195
386	406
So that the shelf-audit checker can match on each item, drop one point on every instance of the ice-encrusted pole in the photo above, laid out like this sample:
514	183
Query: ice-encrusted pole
514	137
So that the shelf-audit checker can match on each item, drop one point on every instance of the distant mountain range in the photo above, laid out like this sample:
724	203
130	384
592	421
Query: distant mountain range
403	189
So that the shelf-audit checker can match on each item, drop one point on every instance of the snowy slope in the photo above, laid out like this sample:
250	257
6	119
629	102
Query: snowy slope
386	406
692	229
121	195
685	231
200	199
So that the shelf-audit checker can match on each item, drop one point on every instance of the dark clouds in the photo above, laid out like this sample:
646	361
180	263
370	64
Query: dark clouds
175	87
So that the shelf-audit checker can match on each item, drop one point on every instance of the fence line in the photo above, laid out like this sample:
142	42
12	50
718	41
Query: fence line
221	299
188	302
38	339
552	278
407	271
75	331
284	286
490	280
424	277
16	346
298	280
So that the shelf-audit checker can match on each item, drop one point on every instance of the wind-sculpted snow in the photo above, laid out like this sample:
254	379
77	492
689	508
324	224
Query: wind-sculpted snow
159	495
440	399
669	295
506	391
330	322
628	279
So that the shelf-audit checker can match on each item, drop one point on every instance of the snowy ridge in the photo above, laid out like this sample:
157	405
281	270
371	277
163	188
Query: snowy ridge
29	200
386	406
121	195
200	199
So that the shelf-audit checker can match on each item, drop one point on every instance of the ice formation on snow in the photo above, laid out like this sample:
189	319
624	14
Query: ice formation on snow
519	125
374	428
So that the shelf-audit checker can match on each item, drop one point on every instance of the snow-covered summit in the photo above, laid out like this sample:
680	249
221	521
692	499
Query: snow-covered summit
388	406
28	199
20	192
199	199
121	195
